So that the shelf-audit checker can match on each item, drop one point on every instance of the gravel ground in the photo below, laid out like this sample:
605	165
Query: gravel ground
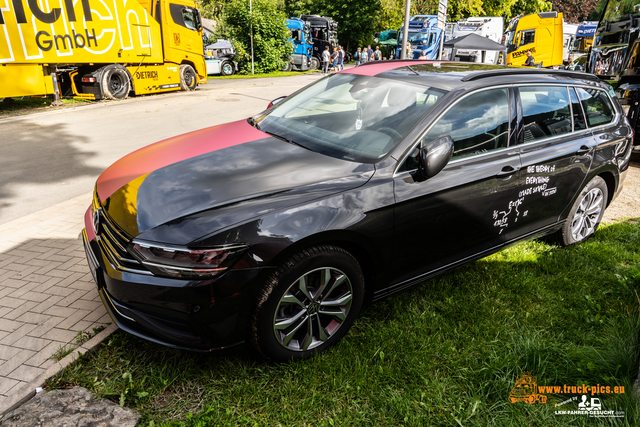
627	204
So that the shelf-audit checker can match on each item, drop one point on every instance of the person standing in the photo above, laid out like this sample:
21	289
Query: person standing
364	57
369	53
341	58
530	62
334	59
424	55
357	56
325	60
377	54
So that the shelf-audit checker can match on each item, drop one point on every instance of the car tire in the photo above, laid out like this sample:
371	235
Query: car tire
227	68
315	63
585	215
307	305
188	78
115	83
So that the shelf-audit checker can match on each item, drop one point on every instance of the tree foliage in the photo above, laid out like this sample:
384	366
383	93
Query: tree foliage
270	33
575	11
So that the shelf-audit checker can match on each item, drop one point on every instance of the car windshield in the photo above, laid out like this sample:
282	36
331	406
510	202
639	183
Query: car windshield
352	117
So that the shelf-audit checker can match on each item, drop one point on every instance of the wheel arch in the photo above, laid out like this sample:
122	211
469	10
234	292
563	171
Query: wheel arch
611	182
359	246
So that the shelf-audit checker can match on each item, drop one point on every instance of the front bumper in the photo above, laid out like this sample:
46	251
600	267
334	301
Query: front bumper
204	315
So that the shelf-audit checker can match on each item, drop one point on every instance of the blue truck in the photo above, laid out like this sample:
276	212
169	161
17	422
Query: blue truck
301	57
424	34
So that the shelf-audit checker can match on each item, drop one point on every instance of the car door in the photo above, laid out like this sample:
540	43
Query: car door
556	153
458	213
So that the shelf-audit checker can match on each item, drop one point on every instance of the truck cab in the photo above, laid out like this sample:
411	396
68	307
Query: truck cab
583	39
424	35
541	33
302	46
324	32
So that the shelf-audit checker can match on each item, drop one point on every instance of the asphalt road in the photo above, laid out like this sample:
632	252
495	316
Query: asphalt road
50	157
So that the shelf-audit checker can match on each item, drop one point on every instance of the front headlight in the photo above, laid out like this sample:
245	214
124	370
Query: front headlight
184	263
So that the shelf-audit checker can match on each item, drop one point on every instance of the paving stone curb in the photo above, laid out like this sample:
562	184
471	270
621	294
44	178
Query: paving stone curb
26	392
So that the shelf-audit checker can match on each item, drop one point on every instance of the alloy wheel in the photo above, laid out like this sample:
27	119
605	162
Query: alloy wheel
312	309
586	217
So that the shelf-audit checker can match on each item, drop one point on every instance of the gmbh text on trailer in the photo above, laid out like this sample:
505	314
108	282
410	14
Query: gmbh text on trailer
95	49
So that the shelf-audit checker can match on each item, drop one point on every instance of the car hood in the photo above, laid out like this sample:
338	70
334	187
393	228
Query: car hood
218	167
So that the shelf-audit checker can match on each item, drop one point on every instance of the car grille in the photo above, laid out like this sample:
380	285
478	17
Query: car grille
113	242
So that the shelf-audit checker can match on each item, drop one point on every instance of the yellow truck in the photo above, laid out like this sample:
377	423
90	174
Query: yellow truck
541	33
97	49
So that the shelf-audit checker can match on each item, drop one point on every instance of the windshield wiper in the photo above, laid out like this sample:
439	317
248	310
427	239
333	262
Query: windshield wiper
290	141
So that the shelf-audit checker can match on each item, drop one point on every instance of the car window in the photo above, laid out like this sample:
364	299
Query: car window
578	115
596	105
184	16
545	111
527	37
477	124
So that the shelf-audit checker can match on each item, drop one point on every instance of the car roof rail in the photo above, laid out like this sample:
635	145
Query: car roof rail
510	71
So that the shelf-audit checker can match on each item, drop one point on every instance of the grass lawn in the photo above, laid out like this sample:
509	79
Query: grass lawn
445	353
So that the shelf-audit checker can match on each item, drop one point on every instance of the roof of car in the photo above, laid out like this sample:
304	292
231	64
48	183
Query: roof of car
452	75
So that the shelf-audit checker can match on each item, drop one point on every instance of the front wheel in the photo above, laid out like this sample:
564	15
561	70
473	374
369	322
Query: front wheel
315	63
288	66
308	304
585	215
188	78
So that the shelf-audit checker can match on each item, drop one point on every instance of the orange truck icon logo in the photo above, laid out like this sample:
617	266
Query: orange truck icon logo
526	390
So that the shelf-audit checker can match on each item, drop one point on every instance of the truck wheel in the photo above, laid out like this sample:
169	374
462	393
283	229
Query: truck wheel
227	68
315	63
115	83
307	304
188	80
288	67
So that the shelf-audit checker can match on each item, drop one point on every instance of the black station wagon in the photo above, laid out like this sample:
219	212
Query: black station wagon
276	229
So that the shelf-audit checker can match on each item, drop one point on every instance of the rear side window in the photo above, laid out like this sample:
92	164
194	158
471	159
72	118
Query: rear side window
545	112
596	106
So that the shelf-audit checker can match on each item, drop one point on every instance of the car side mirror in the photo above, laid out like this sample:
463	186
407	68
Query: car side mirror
433	157
276	101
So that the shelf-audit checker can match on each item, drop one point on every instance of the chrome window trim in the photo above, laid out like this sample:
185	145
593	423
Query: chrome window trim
435	120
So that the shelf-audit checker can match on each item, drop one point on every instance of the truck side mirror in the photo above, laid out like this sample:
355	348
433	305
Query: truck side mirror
433	157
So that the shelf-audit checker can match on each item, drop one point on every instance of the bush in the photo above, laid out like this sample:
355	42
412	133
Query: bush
270	34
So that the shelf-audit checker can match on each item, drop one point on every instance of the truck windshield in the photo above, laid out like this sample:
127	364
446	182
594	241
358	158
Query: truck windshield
352	117
416	37
617	10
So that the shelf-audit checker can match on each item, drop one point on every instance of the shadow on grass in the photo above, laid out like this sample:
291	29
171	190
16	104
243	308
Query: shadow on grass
444	353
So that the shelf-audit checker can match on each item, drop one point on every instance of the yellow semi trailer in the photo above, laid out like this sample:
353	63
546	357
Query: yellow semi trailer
99	48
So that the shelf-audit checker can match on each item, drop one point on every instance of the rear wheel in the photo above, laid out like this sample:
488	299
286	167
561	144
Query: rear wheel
226	69
115	83
585	215
308	304
188	78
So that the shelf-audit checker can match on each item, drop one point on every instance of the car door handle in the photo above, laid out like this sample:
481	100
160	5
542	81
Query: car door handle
507	170
583	150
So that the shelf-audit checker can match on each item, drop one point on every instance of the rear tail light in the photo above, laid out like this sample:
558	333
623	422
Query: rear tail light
88	80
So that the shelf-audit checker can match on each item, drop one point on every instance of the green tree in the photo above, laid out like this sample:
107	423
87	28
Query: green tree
270	33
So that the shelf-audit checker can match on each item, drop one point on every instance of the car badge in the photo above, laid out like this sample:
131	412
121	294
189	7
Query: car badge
358	124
